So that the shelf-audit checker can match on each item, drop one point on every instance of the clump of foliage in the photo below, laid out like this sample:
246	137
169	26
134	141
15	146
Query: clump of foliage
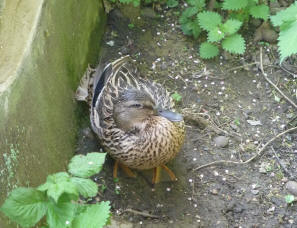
223	20
287	22
169	3
57	198
220	31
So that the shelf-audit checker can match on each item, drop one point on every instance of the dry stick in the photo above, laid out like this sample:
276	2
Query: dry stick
250	159
243	66
271	83
280	163
141	213
286	70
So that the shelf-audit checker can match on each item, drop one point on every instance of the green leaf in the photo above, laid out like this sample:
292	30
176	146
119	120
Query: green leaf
57	184
198	4
189	12
86	187
86	165
95	216
234	44
172	3
60	215
176	96
289	199
209	20
287	15
25	206
287	41
196	30
231	26
234	4
208	50
135	2
215	35
260	11
131	26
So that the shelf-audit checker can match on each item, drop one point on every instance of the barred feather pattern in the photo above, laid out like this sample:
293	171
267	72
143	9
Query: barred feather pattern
157	143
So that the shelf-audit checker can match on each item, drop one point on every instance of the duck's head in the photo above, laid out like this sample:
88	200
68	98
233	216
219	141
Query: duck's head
134	107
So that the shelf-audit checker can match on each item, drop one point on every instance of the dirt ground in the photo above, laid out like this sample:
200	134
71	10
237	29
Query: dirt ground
232	95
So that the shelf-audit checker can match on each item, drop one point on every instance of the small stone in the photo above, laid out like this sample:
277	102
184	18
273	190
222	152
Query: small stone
214	191
291	186
221	141
148	12
255	192
234	127
163	66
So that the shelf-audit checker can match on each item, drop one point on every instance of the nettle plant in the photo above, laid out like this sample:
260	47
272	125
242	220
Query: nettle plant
220	31
57	198
287	22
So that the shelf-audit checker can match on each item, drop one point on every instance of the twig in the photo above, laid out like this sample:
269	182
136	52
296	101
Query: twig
243	66
141	213
250	159
280	163
271	83
286	70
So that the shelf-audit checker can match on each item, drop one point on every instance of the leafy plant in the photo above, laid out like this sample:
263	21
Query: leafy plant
188	19
134	2
289	199
287	22
176	97
220	31
172	3
57	198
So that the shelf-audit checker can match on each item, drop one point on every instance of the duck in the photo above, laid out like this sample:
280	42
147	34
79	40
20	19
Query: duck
133	117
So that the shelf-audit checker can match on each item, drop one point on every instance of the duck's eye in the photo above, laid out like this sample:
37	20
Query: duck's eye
135	106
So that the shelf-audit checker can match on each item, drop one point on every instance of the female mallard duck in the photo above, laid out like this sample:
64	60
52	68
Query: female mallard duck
132	118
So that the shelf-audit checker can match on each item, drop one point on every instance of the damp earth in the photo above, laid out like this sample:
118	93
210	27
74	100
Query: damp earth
231	111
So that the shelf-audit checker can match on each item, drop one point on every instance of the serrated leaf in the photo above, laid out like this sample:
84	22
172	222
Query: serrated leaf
189	12
215	35
134	2
95	216
191	28
234	4
208	50
260	11
287	15
198	4
25	206
196	30
287	41
289	199
234	44
231	26
209	20
60	215
86	187
172	3
86	165
57	184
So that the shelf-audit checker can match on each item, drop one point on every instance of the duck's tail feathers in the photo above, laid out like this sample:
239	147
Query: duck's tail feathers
101	76
84	90
93	80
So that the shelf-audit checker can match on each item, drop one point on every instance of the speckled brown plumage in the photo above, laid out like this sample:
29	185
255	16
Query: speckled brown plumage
154	141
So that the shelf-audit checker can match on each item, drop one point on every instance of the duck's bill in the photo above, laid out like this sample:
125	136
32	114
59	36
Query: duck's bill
172	116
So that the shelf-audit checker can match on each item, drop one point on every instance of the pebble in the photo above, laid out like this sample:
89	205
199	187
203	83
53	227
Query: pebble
291	186
221	141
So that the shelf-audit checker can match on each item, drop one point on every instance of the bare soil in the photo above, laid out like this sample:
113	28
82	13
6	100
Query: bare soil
233	96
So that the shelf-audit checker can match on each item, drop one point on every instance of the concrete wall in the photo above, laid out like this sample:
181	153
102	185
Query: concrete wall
45	47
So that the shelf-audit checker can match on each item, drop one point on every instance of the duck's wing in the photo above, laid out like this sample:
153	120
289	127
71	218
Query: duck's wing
111	82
